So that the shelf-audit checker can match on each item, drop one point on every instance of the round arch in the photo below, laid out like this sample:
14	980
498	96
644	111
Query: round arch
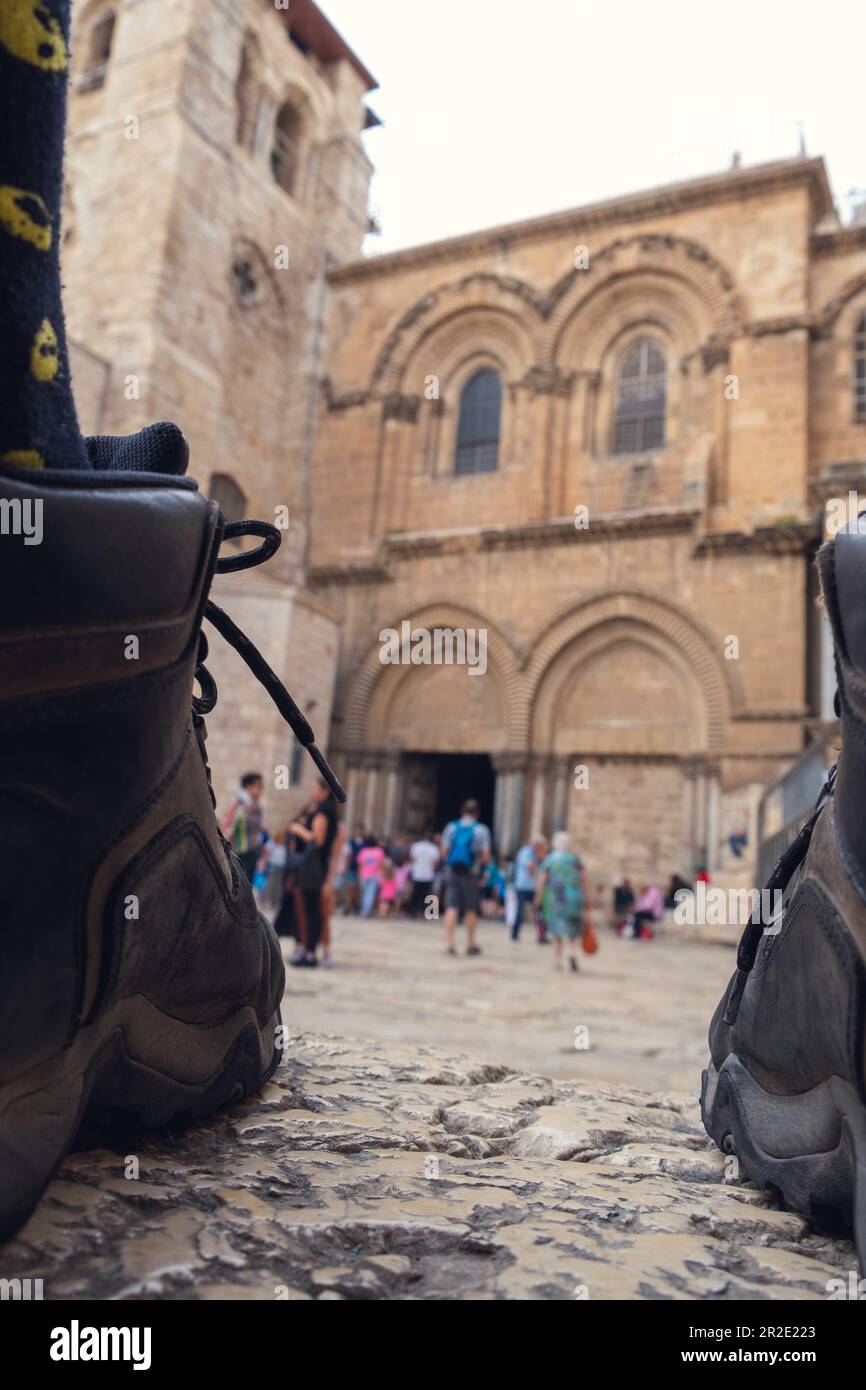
510	297
718	684
366	683
827	319
669	256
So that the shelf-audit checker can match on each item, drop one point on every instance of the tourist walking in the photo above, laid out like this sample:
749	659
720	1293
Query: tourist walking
317	832
423	859
274	857
242	825
562	895
370	861
526	863
352	893
466	848
388	888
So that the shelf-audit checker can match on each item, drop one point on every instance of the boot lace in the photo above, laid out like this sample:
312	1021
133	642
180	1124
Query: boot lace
203	703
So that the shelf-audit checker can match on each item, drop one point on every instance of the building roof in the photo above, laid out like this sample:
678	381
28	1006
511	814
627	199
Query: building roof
317	33
650	202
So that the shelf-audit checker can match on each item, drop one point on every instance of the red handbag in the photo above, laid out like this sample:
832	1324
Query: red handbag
589	940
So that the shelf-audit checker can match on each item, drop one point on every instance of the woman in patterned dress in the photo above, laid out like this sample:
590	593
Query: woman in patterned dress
562	893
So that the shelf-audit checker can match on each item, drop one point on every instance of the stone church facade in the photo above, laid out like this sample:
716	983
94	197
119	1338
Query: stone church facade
680	386
601	438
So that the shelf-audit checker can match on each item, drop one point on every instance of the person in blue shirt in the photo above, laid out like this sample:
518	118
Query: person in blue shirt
466	846
526	863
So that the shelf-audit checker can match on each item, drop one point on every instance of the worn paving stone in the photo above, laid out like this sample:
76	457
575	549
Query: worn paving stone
388	1171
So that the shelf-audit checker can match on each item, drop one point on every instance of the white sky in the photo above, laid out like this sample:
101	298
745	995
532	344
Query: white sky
497	110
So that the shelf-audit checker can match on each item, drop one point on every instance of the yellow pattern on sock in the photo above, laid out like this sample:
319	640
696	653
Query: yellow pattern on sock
44	359
30	33
18	221
23	458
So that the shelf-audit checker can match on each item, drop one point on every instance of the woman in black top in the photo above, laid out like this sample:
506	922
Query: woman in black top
318	826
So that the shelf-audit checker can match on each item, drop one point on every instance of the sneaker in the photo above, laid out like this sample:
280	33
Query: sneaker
451	951
784	1089
473	950
327	960
573	965
149	984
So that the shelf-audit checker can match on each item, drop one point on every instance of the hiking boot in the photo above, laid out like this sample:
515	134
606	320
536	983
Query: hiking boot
138	975
784	1090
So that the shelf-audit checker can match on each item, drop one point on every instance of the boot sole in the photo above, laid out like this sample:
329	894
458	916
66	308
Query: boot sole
810	1147
137	1061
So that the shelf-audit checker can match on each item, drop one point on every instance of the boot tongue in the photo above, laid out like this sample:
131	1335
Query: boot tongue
159	448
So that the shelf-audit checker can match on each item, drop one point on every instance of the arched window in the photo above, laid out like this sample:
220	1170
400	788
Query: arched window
230	499
478	426
248	92
858	379
641	392
286	151
99	42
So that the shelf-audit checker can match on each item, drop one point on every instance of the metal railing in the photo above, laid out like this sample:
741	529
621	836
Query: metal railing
788	801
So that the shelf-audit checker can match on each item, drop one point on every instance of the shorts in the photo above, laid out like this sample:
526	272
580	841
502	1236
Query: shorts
461	892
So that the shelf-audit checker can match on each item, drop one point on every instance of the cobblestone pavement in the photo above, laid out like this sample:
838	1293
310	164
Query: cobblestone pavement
405	1168
646	1005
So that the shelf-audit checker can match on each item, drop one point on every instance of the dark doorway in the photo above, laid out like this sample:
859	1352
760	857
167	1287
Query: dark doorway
437	784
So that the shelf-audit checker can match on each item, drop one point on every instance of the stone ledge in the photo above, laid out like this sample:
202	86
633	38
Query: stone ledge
380	1171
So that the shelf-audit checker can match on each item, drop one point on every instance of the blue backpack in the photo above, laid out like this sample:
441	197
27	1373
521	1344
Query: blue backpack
462	852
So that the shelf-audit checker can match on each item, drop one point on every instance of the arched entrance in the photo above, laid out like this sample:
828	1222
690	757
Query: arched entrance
422	738
628	712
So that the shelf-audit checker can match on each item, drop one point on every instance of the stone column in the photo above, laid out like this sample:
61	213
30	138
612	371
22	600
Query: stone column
539	793
374	766
498	808
700	812
713	815
688	840
508	815
502	802
354	789
561	779
516	820
391	773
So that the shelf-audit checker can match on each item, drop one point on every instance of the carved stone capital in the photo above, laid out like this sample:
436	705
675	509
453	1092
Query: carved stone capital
396	406
347	401
547	380
715	355
505	763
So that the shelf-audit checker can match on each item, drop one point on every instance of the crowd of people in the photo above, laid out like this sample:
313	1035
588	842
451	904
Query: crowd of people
311	868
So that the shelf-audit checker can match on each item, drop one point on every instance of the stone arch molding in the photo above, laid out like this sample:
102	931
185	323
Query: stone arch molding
510	297
720	686
502	666
664	255
828	317
544	317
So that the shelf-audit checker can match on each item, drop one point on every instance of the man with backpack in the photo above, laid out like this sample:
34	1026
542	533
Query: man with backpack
466	847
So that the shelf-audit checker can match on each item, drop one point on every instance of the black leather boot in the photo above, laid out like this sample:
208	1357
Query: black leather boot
785	1087
136	973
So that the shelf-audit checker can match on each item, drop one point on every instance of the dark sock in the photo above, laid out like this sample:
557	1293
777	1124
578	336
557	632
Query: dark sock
38	424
